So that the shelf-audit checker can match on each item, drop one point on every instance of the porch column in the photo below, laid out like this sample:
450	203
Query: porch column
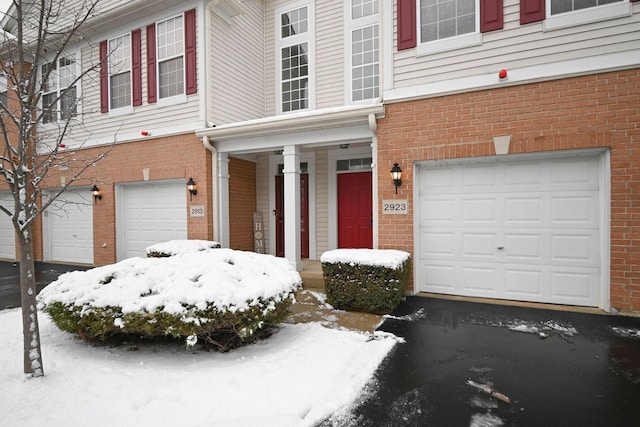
291	173
223	199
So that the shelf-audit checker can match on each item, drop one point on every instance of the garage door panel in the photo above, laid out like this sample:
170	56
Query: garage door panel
523	246
575	210
478	245
519	210
572	285
478	279
575	248
479	210
439	244
522	283
511	228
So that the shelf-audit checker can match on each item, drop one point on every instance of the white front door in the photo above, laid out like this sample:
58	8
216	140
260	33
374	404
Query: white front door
525	229
149	213
7	235
68	227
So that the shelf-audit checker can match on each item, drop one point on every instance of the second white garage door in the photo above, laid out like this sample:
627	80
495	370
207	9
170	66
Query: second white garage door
68	227
7	235
526	229
150	213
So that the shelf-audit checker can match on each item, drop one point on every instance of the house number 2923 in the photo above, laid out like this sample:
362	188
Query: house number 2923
395	206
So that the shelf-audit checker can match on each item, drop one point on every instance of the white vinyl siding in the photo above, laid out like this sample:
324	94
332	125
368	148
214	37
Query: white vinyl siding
236	70
513	47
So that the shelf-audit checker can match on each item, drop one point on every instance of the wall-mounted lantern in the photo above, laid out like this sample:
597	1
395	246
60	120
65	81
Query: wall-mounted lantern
191	186
97	194
396	175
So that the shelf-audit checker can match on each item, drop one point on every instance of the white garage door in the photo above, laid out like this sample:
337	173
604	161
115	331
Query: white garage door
68	227
7	236
512	229
149	213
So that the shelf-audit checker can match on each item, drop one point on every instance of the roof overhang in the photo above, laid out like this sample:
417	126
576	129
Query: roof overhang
311	128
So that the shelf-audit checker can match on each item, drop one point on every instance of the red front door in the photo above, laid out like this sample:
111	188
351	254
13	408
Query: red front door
355	210
304	215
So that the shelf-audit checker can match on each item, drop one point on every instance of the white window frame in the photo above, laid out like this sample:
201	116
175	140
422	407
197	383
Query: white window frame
585	16
181	97
350	26
77	61
450	43
4	90
307	37
129	108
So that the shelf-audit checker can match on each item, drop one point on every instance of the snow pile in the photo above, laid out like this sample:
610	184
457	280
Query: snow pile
178	247
543	329
626	332
389	258
298	377
223	278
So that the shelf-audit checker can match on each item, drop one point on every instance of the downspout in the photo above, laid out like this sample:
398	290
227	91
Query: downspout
205	139
373	125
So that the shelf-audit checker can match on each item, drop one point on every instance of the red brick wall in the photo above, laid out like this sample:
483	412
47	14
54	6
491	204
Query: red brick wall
242	203
172	157
583	112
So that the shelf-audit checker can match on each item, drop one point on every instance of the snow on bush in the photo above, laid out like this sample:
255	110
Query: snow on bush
177	247
224	297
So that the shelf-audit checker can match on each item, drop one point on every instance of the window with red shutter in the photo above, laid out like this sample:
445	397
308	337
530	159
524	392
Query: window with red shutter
152	81
531	11
136	66
190	51
104	78
407	37
491	15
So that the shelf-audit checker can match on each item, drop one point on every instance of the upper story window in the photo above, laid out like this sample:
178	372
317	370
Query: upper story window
120	71
294	46
562	6
59	98
365	50
170	40
440	19
558	14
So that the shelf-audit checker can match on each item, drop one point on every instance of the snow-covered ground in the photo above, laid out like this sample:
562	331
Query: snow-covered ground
301	375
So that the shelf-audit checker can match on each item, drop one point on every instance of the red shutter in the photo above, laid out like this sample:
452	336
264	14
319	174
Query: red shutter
531	11
136	66
152	82
104	78
491	15
190	51
634	0
407	25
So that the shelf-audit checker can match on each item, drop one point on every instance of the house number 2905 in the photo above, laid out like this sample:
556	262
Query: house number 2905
395	206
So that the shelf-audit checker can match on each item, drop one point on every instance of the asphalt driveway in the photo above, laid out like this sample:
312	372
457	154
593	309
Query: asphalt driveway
10	279
475	364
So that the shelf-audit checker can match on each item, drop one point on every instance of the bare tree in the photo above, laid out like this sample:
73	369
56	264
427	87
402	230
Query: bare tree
34	51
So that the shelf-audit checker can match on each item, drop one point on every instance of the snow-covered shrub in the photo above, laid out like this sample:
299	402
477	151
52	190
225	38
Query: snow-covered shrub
222	297
369	280
177	247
